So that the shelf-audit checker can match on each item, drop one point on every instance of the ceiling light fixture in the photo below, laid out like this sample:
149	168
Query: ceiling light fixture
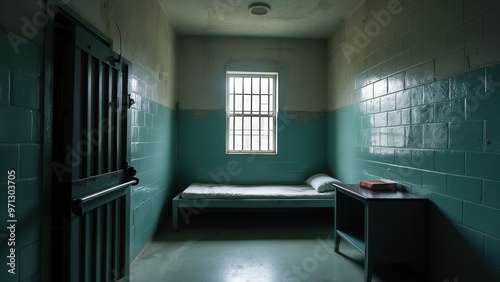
259	8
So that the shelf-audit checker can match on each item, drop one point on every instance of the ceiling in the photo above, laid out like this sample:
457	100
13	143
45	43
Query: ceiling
287	18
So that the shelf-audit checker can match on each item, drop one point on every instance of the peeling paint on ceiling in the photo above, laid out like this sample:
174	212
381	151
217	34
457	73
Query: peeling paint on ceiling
287	19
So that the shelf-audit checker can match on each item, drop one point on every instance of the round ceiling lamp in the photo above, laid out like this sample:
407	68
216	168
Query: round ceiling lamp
259	8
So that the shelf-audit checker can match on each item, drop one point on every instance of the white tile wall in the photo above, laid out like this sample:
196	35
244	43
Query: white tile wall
450	35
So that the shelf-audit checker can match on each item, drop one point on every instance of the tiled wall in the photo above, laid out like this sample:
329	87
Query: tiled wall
439	140
20	151
418	106
153	136
202	145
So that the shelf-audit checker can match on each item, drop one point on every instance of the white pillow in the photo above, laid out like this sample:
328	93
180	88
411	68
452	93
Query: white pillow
322	182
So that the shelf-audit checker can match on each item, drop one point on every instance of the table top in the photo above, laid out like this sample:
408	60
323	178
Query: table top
367	194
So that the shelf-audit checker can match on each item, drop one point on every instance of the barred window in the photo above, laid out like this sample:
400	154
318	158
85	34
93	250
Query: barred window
251	112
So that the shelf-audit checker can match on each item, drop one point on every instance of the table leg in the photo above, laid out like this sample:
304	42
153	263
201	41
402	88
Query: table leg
369	267
337	242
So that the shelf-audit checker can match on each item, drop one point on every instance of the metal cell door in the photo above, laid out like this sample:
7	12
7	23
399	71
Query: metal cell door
91	176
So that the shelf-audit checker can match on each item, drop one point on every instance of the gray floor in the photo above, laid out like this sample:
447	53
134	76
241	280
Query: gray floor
270	246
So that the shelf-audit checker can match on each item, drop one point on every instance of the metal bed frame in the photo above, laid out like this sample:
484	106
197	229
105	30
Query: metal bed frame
195	205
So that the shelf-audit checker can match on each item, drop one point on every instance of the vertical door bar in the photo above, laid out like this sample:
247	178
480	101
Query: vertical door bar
87	118
73	238
119	119
98	132
115	110
99	233
105	119
112	122
93	135
86	248
114	244
77	158
74	263
107	252
117	239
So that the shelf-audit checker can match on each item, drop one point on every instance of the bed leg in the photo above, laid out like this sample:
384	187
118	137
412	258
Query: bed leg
175	216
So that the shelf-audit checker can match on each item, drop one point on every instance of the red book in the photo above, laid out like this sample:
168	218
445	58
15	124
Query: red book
377	185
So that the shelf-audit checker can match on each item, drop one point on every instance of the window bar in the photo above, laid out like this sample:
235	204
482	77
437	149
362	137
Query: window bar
228	112
266	114
233	114
275	113
260	114
269	137
242	114
268	130
251	113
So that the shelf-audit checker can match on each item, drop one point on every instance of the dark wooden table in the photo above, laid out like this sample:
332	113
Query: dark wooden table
385	226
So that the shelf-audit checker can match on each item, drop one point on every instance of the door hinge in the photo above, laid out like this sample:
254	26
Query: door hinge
130	101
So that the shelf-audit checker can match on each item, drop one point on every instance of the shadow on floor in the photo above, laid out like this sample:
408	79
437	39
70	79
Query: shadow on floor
261	246
253	224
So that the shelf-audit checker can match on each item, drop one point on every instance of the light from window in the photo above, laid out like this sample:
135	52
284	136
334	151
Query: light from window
251	112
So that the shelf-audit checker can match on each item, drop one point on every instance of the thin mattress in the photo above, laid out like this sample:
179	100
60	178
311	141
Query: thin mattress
224	191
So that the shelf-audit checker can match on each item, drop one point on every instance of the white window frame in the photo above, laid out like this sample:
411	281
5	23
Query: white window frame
271	115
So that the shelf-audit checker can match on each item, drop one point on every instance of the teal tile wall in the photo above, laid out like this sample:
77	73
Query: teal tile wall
466	188
492	193
492	249
153	139
20	106
448	152
492	136
434	181
202	156
482	218
482	165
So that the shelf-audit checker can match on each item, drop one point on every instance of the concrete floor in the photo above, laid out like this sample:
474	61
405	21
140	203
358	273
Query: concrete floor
270	246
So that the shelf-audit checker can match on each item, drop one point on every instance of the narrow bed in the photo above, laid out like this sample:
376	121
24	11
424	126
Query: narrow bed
318	193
